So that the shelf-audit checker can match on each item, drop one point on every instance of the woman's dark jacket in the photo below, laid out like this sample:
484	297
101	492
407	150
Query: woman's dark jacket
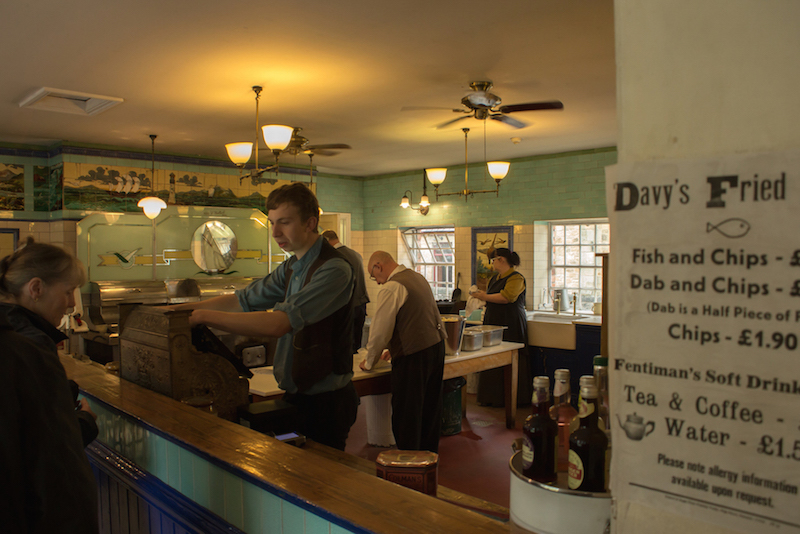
47	483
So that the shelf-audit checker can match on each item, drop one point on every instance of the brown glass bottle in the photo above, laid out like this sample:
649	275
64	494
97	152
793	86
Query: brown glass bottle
563	414
540	436
587	447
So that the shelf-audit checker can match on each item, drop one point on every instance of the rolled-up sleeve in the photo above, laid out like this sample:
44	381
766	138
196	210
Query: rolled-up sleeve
328	290
264	293
514	287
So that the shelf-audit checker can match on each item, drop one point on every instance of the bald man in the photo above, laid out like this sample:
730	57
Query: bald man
407	330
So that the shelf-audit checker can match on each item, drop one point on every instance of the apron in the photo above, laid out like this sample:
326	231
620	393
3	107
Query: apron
491	390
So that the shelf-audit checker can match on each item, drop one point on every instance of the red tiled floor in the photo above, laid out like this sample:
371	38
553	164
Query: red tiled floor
474	462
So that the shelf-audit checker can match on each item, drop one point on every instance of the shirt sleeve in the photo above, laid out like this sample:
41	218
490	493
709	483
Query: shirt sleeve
264	293
328	290
514	287
391	297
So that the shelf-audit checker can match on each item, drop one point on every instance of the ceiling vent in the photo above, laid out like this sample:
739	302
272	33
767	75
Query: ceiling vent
63	101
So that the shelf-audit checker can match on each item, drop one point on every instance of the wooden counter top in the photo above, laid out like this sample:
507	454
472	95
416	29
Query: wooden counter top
321	483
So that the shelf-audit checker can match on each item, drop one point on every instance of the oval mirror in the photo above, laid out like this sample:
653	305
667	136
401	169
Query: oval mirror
214	247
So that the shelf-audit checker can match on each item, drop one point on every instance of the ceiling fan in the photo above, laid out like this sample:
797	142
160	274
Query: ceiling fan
299	145
482	105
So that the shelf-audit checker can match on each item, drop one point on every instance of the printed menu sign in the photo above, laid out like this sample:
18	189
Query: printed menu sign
704	353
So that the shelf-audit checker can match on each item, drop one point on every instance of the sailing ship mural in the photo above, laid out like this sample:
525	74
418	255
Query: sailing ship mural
119	189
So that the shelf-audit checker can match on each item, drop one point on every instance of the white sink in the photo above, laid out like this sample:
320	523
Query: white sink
551	330
555	317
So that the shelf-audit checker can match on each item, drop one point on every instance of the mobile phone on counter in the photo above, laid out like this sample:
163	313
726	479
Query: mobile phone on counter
292	438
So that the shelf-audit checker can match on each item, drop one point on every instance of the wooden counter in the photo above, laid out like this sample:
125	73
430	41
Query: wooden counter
376	381
323	487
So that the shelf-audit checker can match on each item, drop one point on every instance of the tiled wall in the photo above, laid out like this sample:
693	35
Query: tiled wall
558	186
241	503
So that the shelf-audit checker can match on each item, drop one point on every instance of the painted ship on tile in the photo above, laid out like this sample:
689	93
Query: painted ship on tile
119	189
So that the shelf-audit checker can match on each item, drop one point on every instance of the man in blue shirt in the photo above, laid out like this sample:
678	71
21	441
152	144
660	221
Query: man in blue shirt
307	303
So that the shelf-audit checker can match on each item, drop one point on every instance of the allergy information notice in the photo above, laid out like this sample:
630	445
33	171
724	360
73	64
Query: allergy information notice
704	346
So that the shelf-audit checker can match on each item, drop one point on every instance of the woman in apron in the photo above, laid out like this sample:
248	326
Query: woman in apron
505	306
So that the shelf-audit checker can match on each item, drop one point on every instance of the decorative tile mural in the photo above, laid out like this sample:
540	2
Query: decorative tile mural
12	187
119	188
47	188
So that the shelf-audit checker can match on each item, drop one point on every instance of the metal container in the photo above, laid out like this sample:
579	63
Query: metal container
413	469
539	507
492	335
454	328
472	340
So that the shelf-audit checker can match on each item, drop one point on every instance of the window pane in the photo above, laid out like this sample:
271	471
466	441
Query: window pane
598	278
558	234
557	278
587	255
604	233
587	234
572	234
433	253
558	256
587	278
572	277
573	255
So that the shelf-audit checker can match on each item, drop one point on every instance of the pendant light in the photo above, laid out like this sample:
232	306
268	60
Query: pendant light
497	169
276	137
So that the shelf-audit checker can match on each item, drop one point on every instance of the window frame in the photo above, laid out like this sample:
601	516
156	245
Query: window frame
588	293
440	273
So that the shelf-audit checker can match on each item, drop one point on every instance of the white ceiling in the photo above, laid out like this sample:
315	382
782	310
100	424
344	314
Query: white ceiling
342	70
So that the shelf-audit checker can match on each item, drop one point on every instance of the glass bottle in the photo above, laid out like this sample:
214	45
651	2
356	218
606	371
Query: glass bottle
563	414
585	380
587	447
601	381
540	436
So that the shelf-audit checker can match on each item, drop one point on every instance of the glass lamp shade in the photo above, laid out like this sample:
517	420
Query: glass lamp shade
498	169
437	175
239	152
424	202
404	203
152	206
276	136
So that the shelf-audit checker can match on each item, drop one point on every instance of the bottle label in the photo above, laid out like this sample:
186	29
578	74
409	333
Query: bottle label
527	452
560	388
585	408
575	471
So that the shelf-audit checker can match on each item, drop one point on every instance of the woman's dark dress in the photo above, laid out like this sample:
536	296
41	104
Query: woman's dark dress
491	387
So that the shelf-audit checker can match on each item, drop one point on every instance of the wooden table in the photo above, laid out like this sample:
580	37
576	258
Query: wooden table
377	381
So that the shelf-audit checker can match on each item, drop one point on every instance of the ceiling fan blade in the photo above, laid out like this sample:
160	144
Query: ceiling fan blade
448	123
331	145
429	108
321	151
508	120
532	106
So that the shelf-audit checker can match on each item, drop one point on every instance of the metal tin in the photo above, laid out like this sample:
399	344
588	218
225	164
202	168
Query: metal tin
472	339
417	470
492	335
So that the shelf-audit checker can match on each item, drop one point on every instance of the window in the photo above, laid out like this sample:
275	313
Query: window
573	264
433	254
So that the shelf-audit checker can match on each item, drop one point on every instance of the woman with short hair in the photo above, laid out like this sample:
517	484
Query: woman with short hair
47	483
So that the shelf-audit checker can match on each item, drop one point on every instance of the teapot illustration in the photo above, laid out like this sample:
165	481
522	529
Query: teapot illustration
635	426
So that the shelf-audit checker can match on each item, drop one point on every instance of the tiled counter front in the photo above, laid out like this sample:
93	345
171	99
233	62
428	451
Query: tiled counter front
254	483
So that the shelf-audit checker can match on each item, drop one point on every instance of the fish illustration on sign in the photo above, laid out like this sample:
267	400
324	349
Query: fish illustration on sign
732	228
126	259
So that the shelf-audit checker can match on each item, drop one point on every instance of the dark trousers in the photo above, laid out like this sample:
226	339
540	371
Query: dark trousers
327	417
417	399
359	317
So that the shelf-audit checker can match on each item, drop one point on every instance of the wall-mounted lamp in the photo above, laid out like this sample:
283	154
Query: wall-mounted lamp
276	137
424	204
497	170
